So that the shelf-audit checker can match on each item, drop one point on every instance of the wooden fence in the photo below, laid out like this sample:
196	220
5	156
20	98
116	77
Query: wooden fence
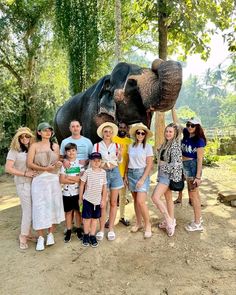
219	132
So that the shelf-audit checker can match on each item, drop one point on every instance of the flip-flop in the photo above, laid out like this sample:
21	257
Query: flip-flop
111	236
135	228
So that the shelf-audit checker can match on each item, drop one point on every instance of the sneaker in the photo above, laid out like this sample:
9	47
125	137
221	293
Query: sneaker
67	237
50	240
93	241
40	244
192	226
85	241
79	233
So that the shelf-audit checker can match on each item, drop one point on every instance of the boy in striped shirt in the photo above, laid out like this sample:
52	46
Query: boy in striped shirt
93	193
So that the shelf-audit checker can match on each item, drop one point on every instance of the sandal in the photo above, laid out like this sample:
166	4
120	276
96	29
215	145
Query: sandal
171	228
23	243
100	235
124	221
177	201
111	236
147	234
135	228
162	224
32	238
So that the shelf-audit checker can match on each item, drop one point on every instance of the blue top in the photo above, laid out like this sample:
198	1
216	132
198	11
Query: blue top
190	145
84	147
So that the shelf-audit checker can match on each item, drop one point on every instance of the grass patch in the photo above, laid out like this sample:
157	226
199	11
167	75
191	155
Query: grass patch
2	170
229	160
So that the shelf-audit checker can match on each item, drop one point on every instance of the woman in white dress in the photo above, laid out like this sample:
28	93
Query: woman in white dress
47	204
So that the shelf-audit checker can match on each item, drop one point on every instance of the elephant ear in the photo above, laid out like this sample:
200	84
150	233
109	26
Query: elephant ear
170	81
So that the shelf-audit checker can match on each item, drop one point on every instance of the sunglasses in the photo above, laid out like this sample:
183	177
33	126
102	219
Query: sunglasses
24	136
140	133
190	125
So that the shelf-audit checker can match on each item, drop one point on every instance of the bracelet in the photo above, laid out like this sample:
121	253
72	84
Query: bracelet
199	178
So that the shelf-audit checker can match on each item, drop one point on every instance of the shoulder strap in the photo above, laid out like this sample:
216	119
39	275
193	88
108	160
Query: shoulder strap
97	147
116	149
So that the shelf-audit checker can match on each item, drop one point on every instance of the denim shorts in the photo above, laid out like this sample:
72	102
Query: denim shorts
133	176
163	177
114	180
190	168
90	211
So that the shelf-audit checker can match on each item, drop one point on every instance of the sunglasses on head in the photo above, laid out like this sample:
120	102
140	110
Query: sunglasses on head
140	133
190	125
24	136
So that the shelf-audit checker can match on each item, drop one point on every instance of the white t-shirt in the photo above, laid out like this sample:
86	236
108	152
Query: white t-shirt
84	147
138	155
74	169
94	185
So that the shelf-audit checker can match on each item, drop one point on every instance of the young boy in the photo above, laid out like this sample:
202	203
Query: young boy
70	177
94	197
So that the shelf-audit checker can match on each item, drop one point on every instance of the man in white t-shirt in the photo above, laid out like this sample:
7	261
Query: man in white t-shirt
84	144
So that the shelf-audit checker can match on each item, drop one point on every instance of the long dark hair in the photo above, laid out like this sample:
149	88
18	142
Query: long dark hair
51	140
23	147
198	134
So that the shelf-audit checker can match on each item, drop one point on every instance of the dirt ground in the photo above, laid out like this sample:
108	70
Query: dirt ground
188	263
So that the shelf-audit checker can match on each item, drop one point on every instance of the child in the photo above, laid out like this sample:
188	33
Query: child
94	181
70	177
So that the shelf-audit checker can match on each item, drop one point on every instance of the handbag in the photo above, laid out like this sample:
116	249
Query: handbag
176	186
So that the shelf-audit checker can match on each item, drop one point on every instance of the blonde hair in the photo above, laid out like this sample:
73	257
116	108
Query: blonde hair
15	143
167	143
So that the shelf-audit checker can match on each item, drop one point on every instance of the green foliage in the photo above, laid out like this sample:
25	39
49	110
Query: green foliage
210	153
78	30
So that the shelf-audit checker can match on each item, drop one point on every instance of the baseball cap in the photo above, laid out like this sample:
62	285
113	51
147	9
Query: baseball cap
44	125
95	155
194	120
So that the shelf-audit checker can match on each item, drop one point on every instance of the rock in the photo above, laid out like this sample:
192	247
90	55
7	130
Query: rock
226	196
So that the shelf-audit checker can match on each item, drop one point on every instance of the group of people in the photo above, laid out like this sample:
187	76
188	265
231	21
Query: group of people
82	183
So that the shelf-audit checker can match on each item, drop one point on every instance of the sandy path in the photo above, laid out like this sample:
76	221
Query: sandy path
188	263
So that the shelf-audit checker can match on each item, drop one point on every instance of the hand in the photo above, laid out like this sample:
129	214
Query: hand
66	163
102	205
140	183
50	168
31	173
197	181
126	182
58	164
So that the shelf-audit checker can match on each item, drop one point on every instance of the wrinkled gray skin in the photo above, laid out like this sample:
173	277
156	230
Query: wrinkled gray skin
130	94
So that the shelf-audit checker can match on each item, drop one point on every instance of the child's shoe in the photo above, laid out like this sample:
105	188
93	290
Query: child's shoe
67	237
50	239
79	233
192	226
93	241
86	240
40	244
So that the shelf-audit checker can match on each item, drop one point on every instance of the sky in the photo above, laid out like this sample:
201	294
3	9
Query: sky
219	53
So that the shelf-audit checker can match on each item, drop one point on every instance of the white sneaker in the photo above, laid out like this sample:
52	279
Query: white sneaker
40	244
50	240
192	226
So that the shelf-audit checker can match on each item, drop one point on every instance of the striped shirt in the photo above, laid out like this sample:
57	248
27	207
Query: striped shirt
94	184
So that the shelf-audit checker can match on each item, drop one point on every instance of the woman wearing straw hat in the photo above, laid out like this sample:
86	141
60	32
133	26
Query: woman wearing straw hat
47	202
139	167
111	157
16	165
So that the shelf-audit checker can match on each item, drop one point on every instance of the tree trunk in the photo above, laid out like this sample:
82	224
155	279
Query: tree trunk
162	50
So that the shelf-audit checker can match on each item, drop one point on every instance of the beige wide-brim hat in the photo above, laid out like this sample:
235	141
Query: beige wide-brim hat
24	130
140	126
107	124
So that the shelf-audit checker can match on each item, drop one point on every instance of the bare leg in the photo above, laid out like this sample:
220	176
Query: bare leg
160	190
137	210
87	225
68	216
113	208
141	202
169	203
196	202
179	199
93	226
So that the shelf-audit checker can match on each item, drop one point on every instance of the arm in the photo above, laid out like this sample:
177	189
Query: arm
104	196
149	164
174	116
9	168
200	154
81	191
64	179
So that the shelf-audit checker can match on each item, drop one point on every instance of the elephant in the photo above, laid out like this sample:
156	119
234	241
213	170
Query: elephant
129	94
